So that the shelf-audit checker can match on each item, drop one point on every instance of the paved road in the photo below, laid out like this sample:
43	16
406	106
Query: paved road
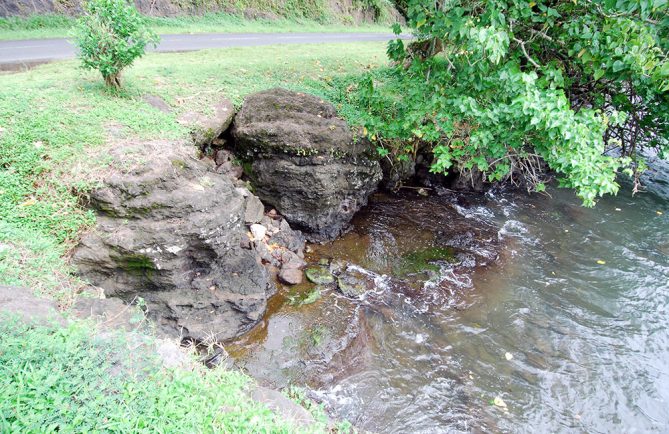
44	50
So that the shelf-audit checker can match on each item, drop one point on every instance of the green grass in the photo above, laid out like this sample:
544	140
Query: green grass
58	26
55	379
35	261
57	123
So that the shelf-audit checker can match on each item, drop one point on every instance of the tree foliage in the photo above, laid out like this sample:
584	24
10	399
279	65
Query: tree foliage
111	35
505	86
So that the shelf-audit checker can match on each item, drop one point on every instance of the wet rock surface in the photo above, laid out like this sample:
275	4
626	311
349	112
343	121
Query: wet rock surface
304	160
171	232
353	284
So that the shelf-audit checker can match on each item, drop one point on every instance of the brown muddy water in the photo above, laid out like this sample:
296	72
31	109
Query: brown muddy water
503	313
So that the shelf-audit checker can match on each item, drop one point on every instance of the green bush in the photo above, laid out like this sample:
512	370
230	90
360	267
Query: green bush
505	87
111	35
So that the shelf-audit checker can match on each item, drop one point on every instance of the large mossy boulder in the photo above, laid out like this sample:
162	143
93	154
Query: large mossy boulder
305	161
173	232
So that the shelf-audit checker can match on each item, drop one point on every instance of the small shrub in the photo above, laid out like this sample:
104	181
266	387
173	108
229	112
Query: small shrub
111	35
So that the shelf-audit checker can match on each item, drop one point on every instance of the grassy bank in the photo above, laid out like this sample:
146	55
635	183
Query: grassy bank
58	26
57	124
56	121
55	379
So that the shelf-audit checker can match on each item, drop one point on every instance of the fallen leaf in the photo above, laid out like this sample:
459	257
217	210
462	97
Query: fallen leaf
600	262
29	202
499	402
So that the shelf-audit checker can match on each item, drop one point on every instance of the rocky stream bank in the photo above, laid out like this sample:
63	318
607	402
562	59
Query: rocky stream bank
210	238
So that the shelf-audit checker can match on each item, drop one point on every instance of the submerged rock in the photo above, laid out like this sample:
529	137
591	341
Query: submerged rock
305	161
170	231
353	284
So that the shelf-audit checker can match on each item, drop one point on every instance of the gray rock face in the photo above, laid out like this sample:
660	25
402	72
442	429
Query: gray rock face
23	303
112	313
171	231
207	127
283	406
305	161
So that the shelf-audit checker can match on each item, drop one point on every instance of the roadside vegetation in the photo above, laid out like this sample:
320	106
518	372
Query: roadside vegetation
60	26
63	379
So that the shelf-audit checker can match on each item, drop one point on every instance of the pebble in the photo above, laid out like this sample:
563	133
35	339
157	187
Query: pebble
291	276
258	231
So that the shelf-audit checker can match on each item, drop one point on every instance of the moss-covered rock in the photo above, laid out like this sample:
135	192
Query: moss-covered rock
425	260
176	238
319	275
352	285
305	161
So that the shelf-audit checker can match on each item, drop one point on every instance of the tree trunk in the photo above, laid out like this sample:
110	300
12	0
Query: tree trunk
113	81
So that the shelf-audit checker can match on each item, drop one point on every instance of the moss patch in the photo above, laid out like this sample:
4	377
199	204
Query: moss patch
137	264
424	260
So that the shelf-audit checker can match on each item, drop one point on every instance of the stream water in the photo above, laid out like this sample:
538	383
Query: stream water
567	331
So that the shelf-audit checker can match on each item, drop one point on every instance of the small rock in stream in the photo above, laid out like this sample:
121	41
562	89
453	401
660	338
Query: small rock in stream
290	276
292	260
352	284
337	266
